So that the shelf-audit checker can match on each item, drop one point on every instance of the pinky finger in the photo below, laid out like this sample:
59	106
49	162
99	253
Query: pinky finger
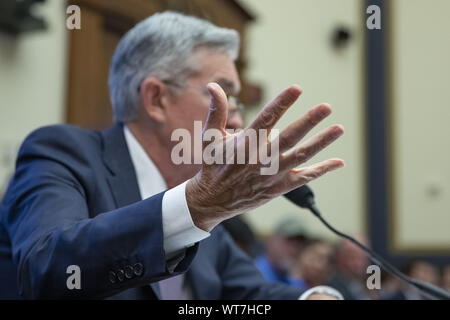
304	175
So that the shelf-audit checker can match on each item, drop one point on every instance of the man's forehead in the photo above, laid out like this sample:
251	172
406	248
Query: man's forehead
217	67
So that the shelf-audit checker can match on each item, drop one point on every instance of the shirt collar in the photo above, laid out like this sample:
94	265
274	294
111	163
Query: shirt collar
150	180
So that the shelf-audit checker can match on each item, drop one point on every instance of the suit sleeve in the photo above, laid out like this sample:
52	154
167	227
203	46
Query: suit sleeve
242	280
47	219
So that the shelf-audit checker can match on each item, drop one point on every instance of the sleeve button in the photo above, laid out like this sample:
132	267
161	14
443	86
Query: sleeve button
112	277
120	275
138	269
129	272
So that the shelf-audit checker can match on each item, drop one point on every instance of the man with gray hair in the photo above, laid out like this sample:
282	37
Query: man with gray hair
87	214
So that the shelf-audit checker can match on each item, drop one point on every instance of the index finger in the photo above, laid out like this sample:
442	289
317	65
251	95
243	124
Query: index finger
275	109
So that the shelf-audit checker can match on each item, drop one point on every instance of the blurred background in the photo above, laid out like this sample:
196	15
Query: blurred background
388	87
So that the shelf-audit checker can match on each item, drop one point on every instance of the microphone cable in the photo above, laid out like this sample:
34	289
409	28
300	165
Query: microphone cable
304	198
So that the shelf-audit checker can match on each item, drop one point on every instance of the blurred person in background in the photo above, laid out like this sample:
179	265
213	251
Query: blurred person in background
313	266
399	290
424	271
283	248
446	278
350	265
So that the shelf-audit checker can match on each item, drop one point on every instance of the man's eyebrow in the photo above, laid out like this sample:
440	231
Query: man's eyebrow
227	85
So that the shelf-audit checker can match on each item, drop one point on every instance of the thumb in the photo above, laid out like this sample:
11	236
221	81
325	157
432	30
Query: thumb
217	116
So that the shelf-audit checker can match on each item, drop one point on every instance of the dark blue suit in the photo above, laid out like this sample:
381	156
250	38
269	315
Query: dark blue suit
74	200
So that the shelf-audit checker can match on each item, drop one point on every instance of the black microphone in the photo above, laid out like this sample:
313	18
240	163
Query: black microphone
304	198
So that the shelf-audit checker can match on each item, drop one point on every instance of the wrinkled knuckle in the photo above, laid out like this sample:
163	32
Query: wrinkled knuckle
317	173
286	142
311	121
301	155
267	118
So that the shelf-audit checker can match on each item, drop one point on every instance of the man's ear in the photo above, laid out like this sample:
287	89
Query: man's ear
152	92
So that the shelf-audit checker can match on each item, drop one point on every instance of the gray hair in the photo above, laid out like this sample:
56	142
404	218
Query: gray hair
161	46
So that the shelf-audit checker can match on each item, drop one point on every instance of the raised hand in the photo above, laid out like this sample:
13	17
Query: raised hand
222	190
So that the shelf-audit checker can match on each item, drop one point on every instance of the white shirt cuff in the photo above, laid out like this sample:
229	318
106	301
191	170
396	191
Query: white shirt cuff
178	228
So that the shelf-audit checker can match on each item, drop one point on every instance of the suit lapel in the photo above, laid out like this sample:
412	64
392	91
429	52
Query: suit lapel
122	179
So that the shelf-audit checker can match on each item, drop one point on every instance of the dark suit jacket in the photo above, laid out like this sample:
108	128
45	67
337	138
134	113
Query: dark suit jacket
74	200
